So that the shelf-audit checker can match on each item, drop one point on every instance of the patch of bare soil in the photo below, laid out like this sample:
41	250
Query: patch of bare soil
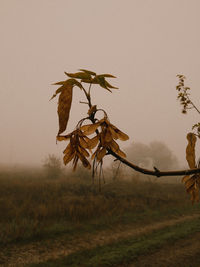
183	253
34	252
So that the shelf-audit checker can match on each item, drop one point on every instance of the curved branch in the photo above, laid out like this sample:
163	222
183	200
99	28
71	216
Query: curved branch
156	172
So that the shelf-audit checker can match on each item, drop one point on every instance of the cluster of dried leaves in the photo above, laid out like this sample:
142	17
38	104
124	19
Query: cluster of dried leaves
192	182
104	134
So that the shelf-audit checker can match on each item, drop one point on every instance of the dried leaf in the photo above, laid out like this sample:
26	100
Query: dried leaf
88	72
74	82
114	134
122	136
102	82
83	151
79	75
101	153
121	153
63	137
114	146
190	150
83	142
64	106
90	128
92	143
84	161
59	83
59	90
106	76
108	135
68	158
110	86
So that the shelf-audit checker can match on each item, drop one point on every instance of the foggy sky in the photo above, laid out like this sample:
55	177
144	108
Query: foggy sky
145	43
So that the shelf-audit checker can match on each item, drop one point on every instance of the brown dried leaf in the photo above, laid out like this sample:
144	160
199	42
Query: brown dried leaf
190	150
68	158
92	143
114	146
88	72
83	151
110	86
64	106
83	142
63	137
121	153
90	128
108	135
84	161
79	75
118	134
106	76
101	153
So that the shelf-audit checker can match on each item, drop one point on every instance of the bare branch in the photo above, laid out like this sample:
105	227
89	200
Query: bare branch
156	173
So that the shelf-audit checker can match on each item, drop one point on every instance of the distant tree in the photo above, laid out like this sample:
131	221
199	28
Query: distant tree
155	154
52	166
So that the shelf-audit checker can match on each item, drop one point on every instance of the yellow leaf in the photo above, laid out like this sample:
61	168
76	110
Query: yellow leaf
190	150
64	106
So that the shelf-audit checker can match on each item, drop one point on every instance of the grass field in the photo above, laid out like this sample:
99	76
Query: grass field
36	209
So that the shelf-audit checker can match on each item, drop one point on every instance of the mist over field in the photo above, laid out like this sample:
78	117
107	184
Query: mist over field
143	43
121	58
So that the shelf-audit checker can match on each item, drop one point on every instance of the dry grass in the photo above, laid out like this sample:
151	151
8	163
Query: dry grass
30	203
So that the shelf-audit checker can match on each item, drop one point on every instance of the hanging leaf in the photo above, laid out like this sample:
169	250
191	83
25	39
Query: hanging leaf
90	128
64	106
190	150
84	161
101	154
92	143
83	151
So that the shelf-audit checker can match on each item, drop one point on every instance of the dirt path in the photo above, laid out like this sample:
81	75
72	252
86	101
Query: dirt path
19	255
181	253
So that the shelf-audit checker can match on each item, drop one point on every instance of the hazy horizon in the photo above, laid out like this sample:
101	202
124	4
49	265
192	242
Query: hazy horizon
144	43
